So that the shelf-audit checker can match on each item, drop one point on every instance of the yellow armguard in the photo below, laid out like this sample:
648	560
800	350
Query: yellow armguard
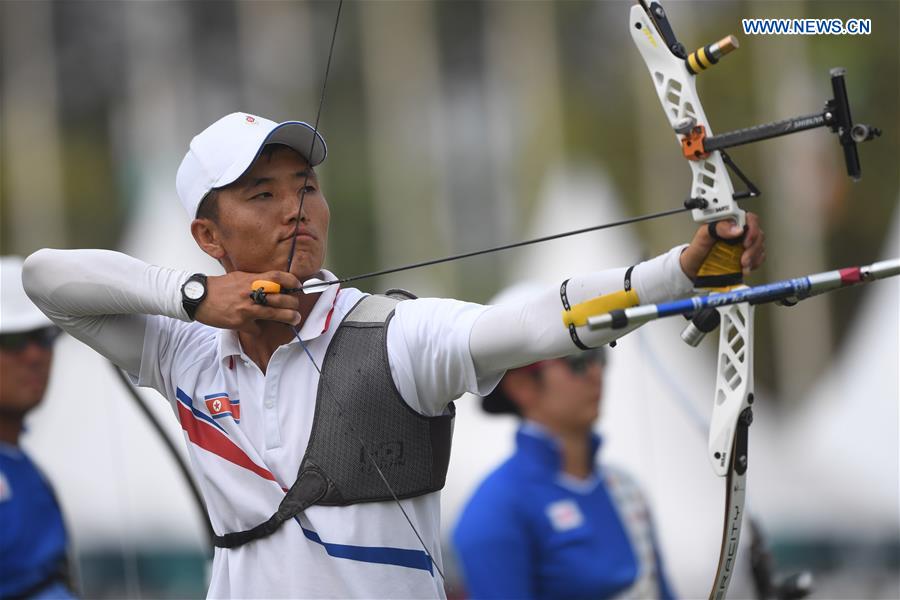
579	313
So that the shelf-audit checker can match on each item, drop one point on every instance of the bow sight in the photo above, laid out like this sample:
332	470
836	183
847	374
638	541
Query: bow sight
836	115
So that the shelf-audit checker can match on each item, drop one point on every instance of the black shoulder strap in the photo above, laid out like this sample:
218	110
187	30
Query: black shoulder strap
312	485
309	488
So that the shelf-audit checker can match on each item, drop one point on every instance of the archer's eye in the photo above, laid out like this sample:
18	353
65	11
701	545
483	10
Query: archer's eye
262	196
308	189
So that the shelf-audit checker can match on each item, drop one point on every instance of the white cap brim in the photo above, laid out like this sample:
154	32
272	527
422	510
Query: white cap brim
295	134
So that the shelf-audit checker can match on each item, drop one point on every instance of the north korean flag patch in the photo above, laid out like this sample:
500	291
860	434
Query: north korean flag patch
220	405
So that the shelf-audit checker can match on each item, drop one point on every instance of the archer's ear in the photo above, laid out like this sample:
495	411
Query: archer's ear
206	234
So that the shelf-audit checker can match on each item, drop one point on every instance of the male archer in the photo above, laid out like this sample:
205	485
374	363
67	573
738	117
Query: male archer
310	416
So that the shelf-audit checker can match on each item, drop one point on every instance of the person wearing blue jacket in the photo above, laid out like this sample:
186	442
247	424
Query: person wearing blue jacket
33	540
551	521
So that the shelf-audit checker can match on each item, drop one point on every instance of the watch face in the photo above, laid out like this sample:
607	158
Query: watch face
194	290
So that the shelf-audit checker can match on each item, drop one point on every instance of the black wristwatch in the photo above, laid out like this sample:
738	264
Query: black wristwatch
192	293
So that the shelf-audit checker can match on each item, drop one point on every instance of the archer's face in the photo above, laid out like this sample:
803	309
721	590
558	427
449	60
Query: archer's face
570	400
258	215
23	378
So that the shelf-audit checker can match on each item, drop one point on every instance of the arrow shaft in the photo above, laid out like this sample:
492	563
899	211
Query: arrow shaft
798	288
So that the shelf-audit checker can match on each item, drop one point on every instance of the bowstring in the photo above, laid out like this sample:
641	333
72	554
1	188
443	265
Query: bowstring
454	257
315	136
297	331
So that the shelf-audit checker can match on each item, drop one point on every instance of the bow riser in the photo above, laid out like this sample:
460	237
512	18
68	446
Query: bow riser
731	418
677	91
734	382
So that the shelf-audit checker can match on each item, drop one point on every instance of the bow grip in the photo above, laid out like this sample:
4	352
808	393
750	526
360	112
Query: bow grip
269	287
722	267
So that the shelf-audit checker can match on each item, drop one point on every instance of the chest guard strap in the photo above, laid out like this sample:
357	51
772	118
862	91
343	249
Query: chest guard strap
412	450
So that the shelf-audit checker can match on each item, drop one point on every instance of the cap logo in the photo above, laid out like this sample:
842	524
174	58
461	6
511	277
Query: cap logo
250	120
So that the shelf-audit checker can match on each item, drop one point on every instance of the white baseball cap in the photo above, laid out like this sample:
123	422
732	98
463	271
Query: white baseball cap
222	152
17	312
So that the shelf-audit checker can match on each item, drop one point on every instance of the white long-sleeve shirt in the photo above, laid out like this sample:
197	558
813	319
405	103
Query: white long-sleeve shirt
246	456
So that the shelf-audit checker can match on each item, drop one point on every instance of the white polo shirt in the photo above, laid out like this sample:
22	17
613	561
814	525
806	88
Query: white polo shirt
247	433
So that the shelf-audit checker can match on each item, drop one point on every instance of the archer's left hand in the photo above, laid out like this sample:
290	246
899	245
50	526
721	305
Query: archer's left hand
754	245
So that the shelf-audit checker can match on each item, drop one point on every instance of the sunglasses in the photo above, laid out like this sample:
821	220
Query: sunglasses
578	363
17	342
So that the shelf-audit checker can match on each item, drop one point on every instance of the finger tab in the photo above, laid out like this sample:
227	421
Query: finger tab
269	287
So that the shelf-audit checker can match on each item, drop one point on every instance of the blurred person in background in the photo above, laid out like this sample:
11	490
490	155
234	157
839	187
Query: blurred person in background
276	391
552	521
33	540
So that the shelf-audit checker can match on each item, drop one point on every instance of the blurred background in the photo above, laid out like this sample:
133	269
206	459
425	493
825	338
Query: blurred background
453	126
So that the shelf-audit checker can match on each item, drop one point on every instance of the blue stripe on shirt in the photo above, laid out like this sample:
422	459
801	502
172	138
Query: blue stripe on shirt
401	557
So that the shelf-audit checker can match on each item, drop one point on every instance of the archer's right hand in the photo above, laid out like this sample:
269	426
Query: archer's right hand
228	304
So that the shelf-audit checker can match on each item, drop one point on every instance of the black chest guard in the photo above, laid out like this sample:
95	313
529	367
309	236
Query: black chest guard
412	450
